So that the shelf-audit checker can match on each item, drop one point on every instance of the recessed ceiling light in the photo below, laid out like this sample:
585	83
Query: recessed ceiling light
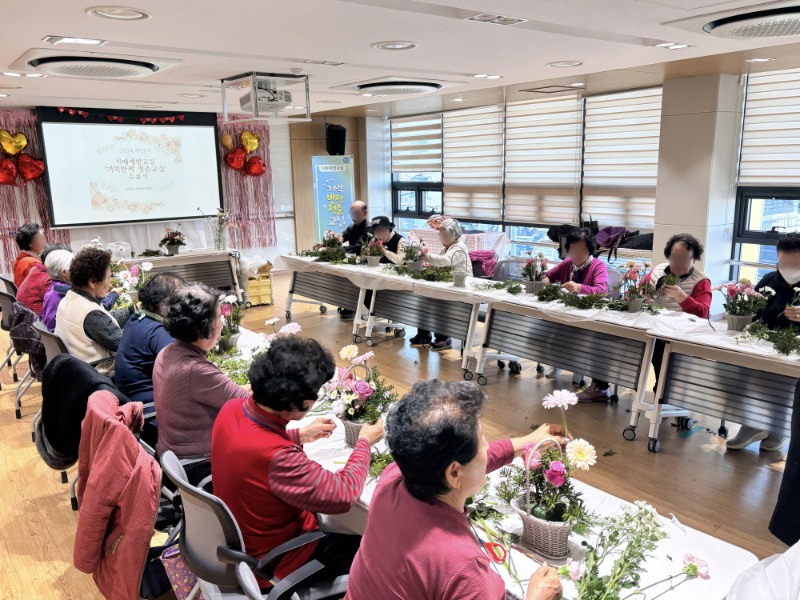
367	95
759	60
33	75
494	77
672	46
456	99
480	76
58	39
3	95
577	84
299	107
148	105
119	13
372	110
394	45
329	101
565	64
10	74
192	95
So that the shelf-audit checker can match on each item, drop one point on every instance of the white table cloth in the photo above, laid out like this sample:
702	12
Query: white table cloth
725	560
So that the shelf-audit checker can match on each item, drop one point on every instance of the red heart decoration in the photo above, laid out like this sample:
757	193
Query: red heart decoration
29	168
255	166
235	159
8	171
61	109
180	117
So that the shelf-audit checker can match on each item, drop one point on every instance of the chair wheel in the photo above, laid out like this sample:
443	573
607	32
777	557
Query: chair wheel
323	309
723	432
614	399
482	380
33	436
64	477
468	375
689	423
288	315
18	413
654	445
540	369
74	503
16	378
357	339
501	364
399	333
248	305
581	383
629	433
370	342
515	367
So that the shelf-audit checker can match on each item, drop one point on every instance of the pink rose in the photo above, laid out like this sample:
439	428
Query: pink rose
347	385
733	290
556	473
226	310
135	270
632	275
363	389
134	281
530	458
749	291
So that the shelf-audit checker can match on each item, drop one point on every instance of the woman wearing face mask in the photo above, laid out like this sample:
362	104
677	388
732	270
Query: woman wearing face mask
778	313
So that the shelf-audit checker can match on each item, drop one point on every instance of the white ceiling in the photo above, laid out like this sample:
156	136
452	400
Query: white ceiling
218	39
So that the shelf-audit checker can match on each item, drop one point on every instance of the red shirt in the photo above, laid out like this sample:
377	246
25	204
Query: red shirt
272	488
31	292
22	266
422	550
699	301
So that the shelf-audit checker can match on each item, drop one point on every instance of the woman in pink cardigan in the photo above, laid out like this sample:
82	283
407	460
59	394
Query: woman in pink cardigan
581	272
418	542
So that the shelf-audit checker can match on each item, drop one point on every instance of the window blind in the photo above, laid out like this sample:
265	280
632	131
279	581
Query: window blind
473	163
621	158
543	160
771	134
417	144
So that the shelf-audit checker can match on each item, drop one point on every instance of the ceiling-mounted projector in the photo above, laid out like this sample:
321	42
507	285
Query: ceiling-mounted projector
268	97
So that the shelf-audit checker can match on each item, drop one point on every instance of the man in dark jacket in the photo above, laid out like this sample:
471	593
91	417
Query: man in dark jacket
354	237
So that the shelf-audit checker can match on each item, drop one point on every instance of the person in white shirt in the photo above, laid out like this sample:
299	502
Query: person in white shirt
455	255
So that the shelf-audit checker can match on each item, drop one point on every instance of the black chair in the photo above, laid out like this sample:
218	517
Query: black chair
7	306
211	544
8	286
26	342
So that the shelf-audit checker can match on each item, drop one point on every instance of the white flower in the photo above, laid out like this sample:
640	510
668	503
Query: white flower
124	276
797	289
147	266
560	399
338	408
230	299
767	291
581	454
360	360
348	352
271	322
290	329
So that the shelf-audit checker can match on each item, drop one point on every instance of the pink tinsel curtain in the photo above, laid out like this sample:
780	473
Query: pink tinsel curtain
28	202
250	198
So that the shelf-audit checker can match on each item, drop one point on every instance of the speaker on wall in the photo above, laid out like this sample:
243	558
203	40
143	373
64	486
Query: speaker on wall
334	139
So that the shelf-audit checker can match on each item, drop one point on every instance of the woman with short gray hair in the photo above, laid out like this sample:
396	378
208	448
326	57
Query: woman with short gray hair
441	459
57	264
455	255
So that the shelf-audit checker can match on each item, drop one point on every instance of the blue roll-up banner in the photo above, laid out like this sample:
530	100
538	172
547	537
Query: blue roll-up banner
334	191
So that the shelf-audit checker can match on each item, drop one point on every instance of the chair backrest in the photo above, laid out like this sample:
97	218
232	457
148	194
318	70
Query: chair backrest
207	525
8	286
509	269
53	345
6	305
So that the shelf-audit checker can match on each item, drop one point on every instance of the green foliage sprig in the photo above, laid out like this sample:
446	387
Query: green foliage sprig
232	364
574	300
549	293
428	273
379	462
785	340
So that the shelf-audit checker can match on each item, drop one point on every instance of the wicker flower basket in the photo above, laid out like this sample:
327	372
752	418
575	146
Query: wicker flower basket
173	249
352	429
374	261
550	539
459	280
534	287
635	305
738	322
414	266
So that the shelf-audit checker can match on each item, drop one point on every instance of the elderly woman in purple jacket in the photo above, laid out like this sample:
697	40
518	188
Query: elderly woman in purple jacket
580	272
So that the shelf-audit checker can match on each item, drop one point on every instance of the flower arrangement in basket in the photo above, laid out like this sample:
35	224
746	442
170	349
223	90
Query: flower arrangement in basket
130	280
414	255
625	540
533	271
634	289
172	240
541	490
232	315
373	252
743	302
330	249
358	394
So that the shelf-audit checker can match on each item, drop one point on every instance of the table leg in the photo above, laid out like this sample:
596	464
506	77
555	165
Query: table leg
469	343
358	321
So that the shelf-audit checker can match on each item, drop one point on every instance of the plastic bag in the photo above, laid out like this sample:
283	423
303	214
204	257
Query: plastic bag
251	264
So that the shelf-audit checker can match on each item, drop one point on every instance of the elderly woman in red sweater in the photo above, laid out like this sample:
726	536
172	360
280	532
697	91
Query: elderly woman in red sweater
691	294
418	542
31	291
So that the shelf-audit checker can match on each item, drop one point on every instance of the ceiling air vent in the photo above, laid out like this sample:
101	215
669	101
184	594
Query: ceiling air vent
97	68
551	89
774	23
398	88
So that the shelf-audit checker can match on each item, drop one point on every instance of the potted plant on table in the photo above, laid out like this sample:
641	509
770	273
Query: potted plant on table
173	239
413	257
373	252
634	290
743	303
232	315
541	490
533	272
358	394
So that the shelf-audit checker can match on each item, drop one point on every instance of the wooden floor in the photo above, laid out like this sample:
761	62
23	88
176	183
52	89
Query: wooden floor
727	494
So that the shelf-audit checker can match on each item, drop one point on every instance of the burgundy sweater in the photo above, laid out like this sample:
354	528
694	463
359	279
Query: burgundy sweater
422	550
